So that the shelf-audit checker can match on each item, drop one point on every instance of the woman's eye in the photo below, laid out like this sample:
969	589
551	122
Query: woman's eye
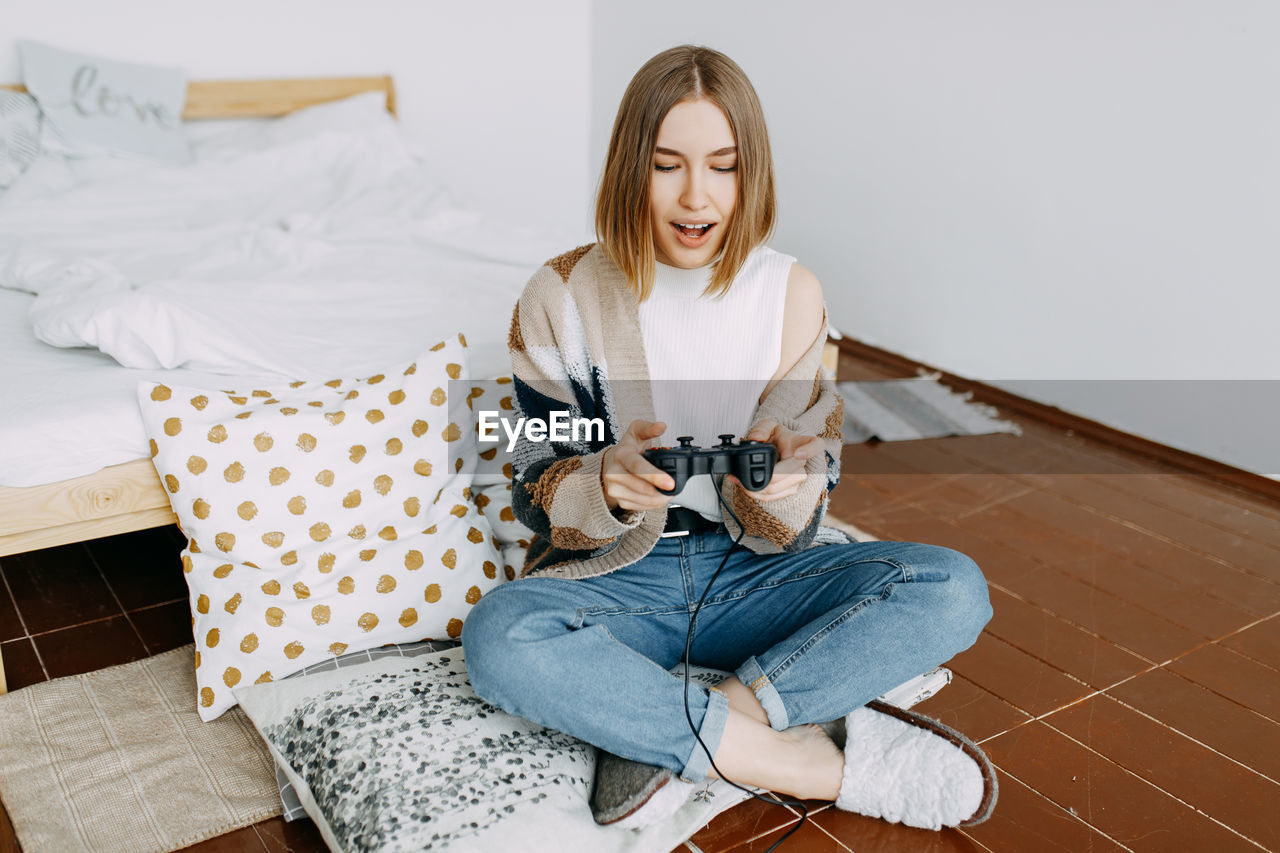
661	168
724	169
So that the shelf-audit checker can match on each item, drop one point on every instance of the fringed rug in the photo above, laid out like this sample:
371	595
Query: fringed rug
118	760
904	409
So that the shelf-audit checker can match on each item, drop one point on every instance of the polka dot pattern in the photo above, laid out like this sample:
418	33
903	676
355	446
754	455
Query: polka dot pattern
330	516
491	477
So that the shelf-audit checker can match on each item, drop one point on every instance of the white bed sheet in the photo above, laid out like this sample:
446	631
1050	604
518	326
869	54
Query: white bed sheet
295	252
313	247
70	412
67	412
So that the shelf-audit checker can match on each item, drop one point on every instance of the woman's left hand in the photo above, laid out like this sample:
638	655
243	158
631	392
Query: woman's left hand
794	451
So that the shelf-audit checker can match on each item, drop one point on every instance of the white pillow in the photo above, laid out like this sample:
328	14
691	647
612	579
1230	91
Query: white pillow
96	104
322	517
358	114
19	135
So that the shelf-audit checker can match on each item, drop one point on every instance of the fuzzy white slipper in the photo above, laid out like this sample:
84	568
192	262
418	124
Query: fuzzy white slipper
907	768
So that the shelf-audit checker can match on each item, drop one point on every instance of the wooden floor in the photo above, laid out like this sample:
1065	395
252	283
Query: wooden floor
1128	687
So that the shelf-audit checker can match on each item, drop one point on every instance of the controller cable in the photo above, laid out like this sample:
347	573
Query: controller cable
688	646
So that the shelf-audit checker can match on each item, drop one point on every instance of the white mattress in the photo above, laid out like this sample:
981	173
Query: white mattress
300	249
70	412
66	412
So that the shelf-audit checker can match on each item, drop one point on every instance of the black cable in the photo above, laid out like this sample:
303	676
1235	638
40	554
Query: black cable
688	645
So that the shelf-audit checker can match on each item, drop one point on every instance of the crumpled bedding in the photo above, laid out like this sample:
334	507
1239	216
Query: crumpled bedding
310	246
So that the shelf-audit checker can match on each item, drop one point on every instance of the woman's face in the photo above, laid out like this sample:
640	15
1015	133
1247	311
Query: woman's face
694	185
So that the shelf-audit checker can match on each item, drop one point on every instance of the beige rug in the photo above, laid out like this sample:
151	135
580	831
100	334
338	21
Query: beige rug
118	760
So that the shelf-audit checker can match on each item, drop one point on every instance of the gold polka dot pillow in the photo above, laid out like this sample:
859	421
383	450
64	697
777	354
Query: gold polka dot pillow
322	518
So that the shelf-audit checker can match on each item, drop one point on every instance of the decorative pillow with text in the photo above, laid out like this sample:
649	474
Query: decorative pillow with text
95	104
19	135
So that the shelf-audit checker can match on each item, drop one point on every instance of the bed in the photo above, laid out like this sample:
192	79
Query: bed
73	455
128	495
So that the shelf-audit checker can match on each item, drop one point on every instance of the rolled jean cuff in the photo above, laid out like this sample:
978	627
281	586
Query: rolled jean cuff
758	683
698	765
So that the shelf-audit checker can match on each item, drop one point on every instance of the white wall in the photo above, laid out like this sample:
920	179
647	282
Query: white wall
496	92
1018	190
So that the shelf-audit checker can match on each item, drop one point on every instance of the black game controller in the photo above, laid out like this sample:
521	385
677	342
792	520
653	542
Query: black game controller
750	461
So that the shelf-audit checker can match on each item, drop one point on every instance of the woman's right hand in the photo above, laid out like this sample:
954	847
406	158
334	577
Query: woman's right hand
630	481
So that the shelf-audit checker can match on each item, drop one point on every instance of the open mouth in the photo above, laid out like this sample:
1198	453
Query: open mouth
692	234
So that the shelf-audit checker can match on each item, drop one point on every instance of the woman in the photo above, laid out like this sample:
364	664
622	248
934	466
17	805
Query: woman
680	312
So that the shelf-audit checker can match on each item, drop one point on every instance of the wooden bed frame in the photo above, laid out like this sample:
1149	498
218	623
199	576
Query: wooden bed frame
128	497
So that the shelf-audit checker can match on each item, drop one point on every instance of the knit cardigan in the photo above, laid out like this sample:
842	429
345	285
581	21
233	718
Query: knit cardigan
576	348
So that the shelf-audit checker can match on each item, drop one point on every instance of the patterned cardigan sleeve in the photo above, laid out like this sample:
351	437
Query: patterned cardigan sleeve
806	401
556	488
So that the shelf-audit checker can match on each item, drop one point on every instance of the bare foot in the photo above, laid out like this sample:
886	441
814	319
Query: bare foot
822	758
801	761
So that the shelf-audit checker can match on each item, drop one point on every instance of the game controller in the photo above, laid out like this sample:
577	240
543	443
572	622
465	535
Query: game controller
750	461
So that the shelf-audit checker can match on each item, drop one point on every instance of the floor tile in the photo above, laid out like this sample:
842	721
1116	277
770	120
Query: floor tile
10	624
1016	677
21	666
243	840
1191	533
1185	568
1119	804
57	587
1069	648
872	835
1181	495
1234	676
142	567
966	494
808	838
84	648
967	708
1232	729
1260	642
999	564
1097	550
737	826
8	840
1112	618
1025	821
1198	776
862	500
298	836
852	500
1189	607
163	627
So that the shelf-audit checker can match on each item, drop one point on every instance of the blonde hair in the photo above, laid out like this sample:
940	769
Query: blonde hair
623	225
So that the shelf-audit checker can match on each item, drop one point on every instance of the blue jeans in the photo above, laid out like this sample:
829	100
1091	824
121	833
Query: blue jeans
814	635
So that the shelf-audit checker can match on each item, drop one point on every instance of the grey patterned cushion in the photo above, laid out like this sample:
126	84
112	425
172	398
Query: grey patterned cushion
288	797
400	754
19	135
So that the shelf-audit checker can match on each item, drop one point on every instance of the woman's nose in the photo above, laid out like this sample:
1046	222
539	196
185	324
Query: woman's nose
694	196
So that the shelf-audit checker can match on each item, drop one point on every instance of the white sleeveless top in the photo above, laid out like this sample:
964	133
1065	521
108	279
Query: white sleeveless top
710	358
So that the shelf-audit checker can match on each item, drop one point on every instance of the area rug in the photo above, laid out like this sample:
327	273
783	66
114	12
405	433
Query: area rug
904	409
118	760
